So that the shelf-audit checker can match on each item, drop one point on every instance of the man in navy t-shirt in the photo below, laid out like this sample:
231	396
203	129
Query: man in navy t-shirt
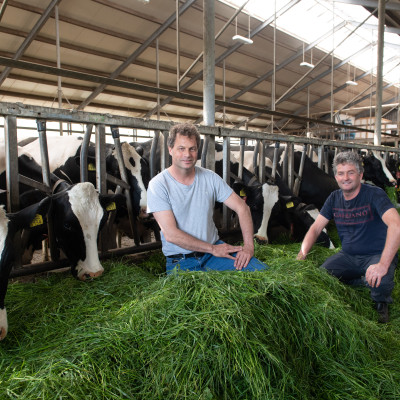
369	229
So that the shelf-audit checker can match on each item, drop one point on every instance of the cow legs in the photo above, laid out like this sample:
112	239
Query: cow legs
3	312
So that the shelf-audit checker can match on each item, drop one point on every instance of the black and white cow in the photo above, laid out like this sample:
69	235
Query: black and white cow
31	218
78	212
316	185
268	208
64	161
259	197
376	171
292	212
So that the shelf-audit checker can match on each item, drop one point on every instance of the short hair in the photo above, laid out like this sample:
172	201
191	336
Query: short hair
348	157
188	130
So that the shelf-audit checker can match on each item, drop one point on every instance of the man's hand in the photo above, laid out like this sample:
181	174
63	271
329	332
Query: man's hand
243	257
225	250
374	274
243	254
301	255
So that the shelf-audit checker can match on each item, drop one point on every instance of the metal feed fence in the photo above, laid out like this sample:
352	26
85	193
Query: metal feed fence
96	126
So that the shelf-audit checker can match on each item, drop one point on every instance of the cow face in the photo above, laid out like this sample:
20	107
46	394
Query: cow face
138	175
29	218
78	214
261	200
376	172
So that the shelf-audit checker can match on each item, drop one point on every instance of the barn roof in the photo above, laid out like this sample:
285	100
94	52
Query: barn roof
122	57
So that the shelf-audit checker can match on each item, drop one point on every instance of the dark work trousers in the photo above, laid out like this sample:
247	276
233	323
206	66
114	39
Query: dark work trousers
351	270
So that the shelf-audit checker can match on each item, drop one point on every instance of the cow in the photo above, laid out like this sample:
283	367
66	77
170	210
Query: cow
31	218
376	172
291	212
259	197
267	207
64	161
78	212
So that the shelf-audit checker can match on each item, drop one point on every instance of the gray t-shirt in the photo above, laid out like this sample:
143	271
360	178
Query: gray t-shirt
192	205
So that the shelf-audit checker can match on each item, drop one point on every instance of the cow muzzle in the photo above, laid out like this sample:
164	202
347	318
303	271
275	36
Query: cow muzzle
260	239
85	273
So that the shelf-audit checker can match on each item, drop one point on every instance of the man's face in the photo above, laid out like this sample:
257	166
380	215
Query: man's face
348	178
184	152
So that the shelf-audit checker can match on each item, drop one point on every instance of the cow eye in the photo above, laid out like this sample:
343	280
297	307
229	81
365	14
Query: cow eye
67	226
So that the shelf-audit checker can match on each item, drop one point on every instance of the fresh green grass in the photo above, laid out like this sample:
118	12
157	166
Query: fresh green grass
292	332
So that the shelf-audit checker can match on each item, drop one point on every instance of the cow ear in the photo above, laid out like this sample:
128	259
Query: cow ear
111	202
238	186
32	216
139	150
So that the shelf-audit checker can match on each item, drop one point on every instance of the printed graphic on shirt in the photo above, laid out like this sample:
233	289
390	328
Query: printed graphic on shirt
353	216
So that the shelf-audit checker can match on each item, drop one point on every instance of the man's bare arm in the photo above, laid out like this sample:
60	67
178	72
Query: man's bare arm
311	236
376	272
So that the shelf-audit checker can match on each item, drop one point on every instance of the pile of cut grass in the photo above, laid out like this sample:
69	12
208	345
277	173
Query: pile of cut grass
291	332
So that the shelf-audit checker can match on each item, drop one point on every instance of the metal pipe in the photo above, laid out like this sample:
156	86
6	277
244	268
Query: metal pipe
153	154
379	73
178	63
275	160
209	75
41	125
3	8
241	158
124	177
297	183
84	153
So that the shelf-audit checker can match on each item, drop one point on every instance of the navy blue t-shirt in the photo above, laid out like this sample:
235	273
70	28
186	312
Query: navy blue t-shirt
359	221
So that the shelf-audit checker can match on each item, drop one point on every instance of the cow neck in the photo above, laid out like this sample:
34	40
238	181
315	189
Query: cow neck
186	179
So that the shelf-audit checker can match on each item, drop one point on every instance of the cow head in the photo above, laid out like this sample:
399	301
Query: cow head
260	198
31	218
78	214
138	172
376	172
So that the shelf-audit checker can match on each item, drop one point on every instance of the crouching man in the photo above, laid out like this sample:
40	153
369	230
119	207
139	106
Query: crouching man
182	200
369	229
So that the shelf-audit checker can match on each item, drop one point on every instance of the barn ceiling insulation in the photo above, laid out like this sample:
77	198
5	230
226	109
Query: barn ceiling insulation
127	57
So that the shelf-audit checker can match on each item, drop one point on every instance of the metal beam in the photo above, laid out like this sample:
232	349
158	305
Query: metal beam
3	8
28	40
137	52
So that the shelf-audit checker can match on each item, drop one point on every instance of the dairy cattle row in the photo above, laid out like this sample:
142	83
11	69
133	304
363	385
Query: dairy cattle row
272	203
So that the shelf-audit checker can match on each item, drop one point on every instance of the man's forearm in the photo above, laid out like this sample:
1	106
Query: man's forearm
391	246
246	226
187	241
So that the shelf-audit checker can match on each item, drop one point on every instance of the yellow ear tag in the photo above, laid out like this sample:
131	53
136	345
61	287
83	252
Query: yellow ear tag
91	167
289	204
111	206
38	220
242	193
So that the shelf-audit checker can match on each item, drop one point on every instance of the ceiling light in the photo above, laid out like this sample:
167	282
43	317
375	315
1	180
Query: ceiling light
242	39
351	83
306	64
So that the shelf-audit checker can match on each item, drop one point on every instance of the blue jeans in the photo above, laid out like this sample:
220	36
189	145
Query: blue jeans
351	270
208	262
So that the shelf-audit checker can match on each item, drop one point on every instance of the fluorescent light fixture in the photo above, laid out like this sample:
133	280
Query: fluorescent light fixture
351	83
242	39
306	64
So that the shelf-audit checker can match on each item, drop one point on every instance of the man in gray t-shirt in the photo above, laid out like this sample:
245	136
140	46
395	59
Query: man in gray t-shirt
182	200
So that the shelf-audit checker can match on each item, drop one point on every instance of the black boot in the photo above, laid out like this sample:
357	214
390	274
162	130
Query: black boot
383	312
